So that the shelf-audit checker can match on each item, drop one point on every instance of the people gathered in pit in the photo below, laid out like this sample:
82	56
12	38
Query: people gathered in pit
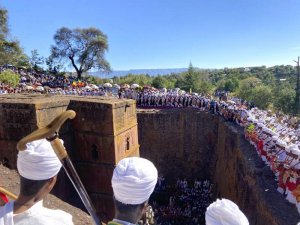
181	202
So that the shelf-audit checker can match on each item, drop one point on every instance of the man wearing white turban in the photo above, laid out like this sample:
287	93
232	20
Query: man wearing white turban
133	182
38	167
224	212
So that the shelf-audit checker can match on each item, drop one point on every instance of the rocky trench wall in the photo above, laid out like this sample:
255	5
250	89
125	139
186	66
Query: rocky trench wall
192	144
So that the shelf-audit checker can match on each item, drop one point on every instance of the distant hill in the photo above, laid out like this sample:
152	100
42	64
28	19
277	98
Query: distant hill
151	72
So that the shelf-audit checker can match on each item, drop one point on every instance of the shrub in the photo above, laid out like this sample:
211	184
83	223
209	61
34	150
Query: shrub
9	77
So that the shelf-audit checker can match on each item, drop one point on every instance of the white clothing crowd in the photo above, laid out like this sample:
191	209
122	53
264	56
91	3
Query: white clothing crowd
276	137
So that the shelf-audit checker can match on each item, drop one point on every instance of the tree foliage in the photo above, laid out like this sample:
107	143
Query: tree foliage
10	50
262	96
141	79
3	23
36	60
9	77
230	85
163	82
284	98
11	53
246	87
52	66
83	48
94	80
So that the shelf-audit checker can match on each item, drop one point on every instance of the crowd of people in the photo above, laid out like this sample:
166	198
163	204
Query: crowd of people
32	81
276	140
182	202
276	137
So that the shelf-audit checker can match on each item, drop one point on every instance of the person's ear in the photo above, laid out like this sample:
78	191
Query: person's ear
144	207
51	182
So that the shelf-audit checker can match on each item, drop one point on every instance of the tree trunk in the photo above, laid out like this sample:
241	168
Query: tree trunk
79	72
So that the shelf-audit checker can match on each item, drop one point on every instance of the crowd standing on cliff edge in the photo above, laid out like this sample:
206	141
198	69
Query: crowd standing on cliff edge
276	137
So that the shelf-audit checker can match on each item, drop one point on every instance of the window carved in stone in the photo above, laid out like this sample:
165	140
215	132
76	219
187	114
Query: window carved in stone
95	153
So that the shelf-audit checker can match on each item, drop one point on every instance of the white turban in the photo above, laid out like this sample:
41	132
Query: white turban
134	180
224	212
38	161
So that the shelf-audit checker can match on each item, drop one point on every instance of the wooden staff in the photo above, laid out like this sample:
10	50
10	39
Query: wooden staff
50	132
8	193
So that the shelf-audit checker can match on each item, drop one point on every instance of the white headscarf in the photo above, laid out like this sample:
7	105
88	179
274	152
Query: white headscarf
38	161
224	212
134	180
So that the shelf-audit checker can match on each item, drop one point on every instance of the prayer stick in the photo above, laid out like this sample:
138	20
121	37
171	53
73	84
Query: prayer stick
8	193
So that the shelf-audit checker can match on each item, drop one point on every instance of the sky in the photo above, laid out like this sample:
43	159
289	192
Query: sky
159	34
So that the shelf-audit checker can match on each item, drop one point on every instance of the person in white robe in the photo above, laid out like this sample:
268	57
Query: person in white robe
133	182
224	212
38	167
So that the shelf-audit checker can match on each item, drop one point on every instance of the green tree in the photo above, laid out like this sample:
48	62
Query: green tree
141	79
163	82
205	87
116	80
36	60
171	81
84	48
247	86
217	76
9	77
94	80
284	97
52	66
10	50
192	79
221	84
159	82
3	23
180	81
231	85
261	96
11	53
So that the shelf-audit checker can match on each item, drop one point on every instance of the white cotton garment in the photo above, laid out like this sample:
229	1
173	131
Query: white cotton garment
134	180
39	215
224	212
38	161
6	214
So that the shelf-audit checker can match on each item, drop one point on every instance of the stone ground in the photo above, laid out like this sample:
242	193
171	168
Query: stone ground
9	179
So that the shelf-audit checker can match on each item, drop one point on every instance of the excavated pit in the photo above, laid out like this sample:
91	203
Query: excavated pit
182	143
188	143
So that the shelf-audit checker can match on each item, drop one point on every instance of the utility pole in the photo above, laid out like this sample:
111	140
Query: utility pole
297	99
